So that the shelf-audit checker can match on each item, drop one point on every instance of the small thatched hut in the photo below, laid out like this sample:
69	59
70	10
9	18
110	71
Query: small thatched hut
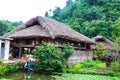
37	29
101	39
113	54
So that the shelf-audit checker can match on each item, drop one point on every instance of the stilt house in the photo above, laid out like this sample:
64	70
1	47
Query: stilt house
38	29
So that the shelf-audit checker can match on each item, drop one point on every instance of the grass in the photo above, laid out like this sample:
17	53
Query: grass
84	77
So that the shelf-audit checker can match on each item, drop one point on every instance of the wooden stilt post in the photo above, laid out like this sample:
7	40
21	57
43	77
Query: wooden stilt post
27	50
30	50
19	52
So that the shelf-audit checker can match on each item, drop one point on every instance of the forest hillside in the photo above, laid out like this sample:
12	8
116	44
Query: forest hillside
91	17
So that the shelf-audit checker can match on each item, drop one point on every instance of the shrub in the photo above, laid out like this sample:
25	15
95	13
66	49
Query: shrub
13	68
88	64
119	60
7	68
101	53
68	50
51	58
100	50
93	67
115	66
3	69
101	65
77	66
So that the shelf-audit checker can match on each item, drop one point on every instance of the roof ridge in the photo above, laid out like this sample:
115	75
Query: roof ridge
43	25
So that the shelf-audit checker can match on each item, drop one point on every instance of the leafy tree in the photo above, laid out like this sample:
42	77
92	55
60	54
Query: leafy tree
101	53
116	47
116	30
100	50
7	26
51	58
93	13
68	3
67	50
56	13
90	17
3	28
46	14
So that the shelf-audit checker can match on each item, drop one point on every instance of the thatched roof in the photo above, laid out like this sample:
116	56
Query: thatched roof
101	39
1	38
45	27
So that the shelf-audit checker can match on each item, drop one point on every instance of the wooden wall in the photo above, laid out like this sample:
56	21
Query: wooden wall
79	56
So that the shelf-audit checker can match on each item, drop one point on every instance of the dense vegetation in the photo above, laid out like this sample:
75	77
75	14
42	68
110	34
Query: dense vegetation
91	17
96	68
51	58
7	26
9	68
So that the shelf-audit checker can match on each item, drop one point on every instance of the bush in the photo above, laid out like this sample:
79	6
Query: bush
100	50
13	68
7	68
101	65
88	64
3	69
93	67
101	53
68	50
115	66
51	58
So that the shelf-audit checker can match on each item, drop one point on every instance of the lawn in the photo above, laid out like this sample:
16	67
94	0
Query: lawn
84	77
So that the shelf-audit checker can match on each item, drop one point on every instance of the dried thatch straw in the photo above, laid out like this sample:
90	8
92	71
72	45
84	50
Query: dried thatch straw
45	27
101	39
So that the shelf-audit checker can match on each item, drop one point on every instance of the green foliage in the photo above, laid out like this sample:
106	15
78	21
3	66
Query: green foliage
77	66
68	50
115	66
101	65
116	30
8	68
68	2
116	44
46	14
13	68
3	28
5	79
100	50
7	26
94	71
3	69
1	59
51	58
90	17
89	64
94	67
101	53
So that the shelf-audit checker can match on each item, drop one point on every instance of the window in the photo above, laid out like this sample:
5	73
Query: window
28	42
3	45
